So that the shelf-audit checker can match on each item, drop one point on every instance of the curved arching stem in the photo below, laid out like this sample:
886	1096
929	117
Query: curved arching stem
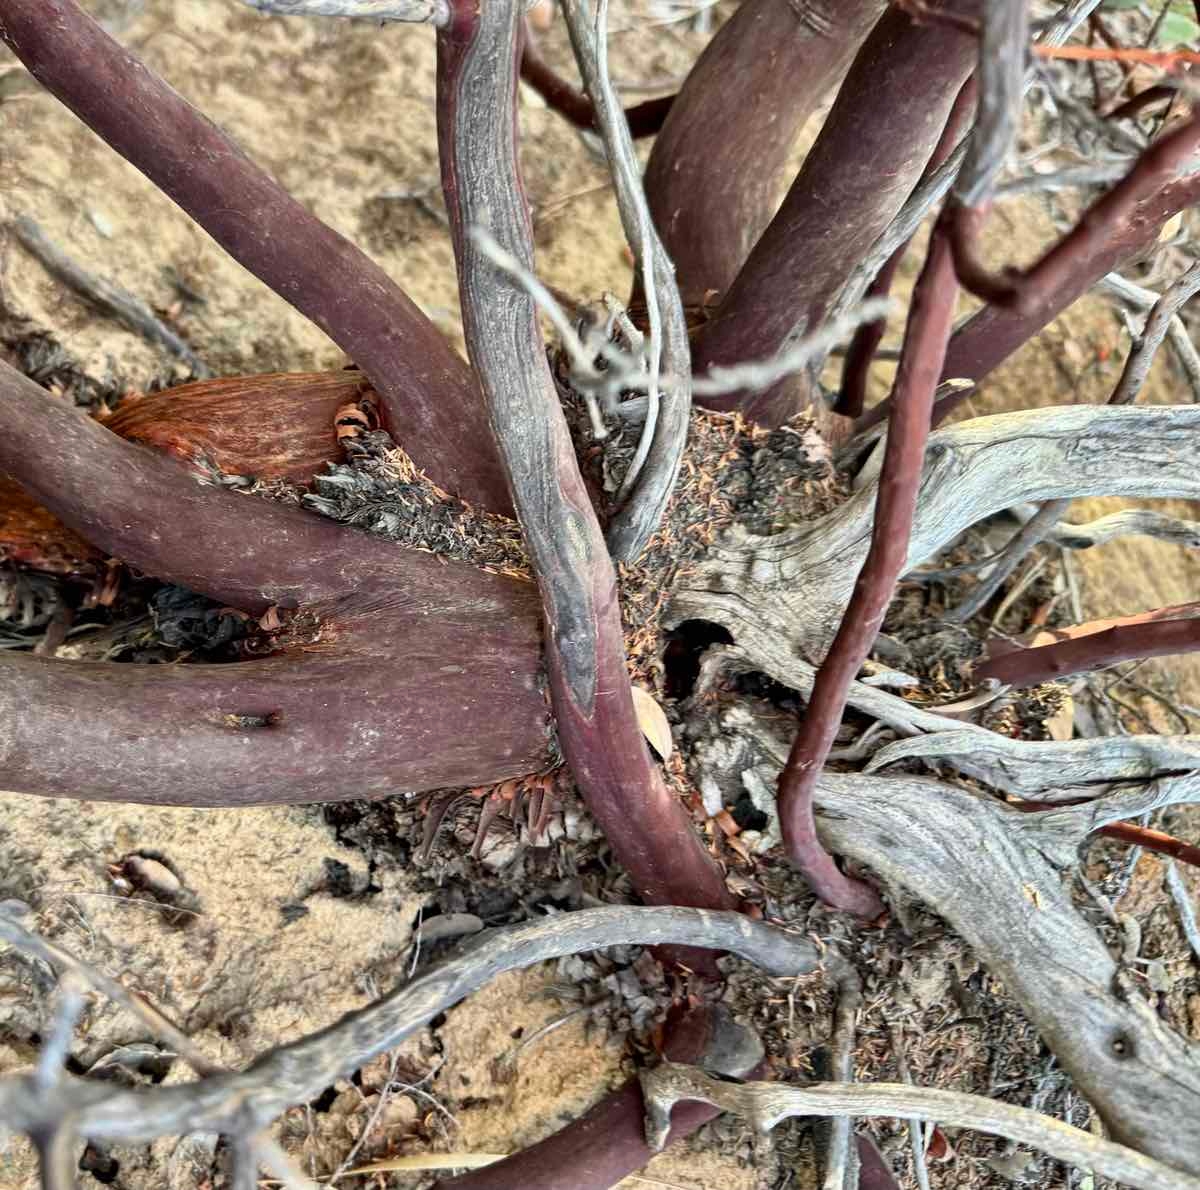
431	400
155	514
644	822
874	146
896	497
713	178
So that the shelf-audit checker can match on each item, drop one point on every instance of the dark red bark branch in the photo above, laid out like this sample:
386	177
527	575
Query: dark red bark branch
442	692
431	400
857	367
1158	633
645	119
713	175
995	332
929	321
1156	841
609	1142
147	510
646	825
1158	166
885	124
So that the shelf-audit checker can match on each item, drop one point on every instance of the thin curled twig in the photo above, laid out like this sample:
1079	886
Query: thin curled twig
764	1105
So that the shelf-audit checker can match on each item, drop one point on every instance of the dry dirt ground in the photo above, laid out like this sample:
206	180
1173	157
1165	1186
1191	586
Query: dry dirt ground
288	928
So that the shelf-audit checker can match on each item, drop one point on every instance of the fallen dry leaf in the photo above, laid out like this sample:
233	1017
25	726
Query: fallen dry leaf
653	722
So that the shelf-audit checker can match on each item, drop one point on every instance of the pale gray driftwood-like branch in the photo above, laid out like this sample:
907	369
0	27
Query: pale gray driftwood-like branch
995	875
244	1102
798	582
1130	522
423	12
764	1105
1181	341
1049	770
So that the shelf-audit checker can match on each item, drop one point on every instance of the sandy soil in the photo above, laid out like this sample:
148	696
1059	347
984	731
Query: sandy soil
281	939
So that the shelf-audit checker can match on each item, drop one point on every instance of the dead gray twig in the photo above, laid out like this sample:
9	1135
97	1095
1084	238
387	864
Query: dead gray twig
650	478
1133	378
915	1139
106	297
244	1102
424	12
1183	902
1181	341
764	1105
845	1021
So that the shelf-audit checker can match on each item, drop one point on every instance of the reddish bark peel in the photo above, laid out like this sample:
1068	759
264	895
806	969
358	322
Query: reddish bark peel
274	426
1158	633
32	536
430	398
712	180
645	824
929	322
885	124
645	119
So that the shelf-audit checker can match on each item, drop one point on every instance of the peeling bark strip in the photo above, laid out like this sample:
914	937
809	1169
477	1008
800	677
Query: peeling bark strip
429	395
929	324
872	149
647	827
241	1103
713	178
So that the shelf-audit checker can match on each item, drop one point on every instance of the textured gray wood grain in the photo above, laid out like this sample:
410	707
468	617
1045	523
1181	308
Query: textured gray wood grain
244	1102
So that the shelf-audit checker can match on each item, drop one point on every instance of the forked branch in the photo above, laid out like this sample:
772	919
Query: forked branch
764	1105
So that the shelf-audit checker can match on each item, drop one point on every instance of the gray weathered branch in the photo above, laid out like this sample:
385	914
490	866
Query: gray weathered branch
1049	770
244	1102
798	582
424	12
664	435
764	1105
